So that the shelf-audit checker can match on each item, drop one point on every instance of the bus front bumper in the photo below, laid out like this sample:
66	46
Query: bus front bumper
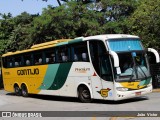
121	95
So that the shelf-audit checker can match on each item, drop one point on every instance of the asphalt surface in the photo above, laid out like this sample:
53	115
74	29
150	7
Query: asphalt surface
10	102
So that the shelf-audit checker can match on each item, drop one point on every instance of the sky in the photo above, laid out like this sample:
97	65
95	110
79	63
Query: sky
16	7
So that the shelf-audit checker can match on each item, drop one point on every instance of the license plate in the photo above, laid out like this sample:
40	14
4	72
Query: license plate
138	93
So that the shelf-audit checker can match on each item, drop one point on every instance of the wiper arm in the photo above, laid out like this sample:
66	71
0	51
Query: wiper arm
142	71
133	69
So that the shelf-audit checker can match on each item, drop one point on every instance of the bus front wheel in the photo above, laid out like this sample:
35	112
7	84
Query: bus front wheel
24	90
84	94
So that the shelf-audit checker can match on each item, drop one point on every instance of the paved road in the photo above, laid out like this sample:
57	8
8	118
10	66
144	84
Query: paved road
10	102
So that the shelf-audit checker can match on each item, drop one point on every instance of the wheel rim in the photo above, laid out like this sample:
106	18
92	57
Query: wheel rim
85	94
16	90
24	91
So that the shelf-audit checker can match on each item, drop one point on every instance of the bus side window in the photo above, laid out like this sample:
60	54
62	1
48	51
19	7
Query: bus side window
27	62
38	59
63	54
28	59
4	62
49	56
80	52
18	61
75	57
16	64
10	62
84	56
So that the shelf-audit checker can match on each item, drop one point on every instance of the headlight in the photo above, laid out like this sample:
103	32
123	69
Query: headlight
122	89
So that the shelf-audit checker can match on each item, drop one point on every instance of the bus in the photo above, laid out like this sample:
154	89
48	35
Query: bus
106	67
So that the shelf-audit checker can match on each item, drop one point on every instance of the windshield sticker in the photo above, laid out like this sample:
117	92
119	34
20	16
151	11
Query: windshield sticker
134	54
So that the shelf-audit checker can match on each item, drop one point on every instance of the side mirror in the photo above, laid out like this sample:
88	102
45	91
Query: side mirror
115	58
115	61
155	53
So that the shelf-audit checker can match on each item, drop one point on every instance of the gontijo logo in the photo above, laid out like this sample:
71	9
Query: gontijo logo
34	71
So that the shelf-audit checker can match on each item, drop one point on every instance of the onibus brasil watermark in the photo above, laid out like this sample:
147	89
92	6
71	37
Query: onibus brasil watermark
80	113
21	114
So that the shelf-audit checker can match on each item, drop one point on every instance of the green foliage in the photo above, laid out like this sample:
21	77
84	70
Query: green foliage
6	26
75	19
145	22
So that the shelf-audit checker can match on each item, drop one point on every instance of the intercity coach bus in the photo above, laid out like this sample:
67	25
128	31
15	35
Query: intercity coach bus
108	67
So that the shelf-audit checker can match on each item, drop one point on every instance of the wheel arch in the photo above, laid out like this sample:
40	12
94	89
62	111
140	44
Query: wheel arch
87	86
16	84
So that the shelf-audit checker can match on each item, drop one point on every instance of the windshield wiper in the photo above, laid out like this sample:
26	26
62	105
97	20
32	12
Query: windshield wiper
142	70
133	69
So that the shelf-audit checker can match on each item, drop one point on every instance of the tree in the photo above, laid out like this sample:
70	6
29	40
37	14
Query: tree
70	20
67	21
145	22
116	14
20	36
15	32
6	26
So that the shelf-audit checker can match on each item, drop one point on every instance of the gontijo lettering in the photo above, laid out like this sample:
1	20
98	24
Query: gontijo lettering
34	71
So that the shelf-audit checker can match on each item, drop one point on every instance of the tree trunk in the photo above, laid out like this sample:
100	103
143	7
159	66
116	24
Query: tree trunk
59	2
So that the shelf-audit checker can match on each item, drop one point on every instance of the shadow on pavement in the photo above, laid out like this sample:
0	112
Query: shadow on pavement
72	99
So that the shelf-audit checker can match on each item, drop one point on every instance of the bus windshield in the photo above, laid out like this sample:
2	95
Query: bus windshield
133	66
132	59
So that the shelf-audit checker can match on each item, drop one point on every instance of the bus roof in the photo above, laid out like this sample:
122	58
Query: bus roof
69	41
110	36
40	46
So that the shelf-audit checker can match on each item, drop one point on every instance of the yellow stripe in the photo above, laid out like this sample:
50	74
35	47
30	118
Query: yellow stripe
32	82
131	85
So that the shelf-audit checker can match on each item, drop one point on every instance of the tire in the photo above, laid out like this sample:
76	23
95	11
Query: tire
17	90
24	90
84	94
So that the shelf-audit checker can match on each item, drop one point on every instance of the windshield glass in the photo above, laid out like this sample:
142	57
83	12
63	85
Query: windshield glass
132	58
133	66
125	44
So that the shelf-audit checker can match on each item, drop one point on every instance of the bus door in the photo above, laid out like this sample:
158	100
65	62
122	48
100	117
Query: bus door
102	81
106	76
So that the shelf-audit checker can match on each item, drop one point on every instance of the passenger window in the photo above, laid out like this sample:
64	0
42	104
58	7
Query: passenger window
28	60
9	62
4	59
50	56
38	59
18	61
79	52
63	54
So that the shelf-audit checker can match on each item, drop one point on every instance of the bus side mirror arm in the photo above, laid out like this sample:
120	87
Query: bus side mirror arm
155	53
116	61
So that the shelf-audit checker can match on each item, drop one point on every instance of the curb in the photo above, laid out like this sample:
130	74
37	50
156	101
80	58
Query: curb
156	90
